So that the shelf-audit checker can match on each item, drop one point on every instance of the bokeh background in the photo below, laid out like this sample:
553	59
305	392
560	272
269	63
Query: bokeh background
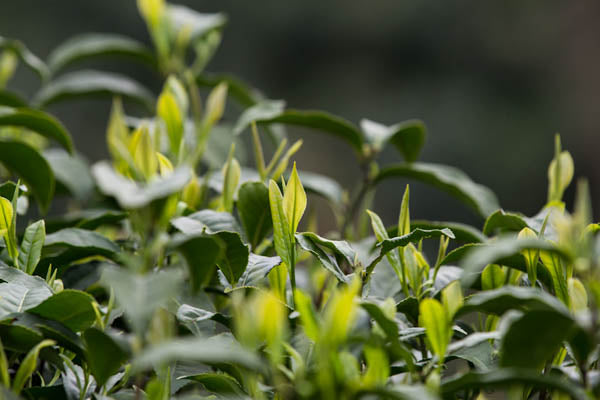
494	81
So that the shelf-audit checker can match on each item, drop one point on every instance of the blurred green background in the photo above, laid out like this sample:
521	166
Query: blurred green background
493	81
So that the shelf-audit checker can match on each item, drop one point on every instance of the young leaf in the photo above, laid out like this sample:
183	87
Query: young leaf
104	355
152	11
142	150
168	110
434	319
281	235
7	228
308	316
27	367
404	218
492	277
294	201
231	177
408	137
215	104
31	246
554	265
560	172
452	299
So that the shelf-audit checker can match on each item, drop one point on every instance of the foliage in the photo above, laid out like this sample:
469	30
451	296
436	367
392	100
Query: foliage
182	271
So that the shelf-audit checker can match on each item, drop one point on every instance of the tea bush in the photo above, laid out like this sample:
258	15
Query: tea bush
179	273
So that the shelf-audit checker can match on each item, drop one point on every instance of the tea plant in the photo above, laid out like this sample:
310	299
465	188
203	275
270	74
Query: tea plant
181	271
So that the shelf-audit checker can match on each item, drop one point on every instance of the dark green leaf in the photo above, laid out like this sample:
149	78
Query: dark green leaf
504	377
91	84
30	166
193	315
91	45
72	308
503	220
38	122
255	212
220	383
25	55
408	137
498	301
327	261
522	348
214	221
462	232
10	99
201	252
71	172
71	244
244	94
31	246
273	111
104	355
258	269
448	179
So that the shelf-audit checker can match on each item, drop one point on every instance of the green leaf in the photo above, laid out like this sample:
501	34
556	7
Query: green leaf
10	99
408	137
71	173
38	122
190	316
231	177
104	355
492	277
522	349
214	221
31	246
94	45
214	350
462	232
129	194
273	111
258	268
504	377
140	295
89	219
476	349
6	218
446	178
93	84
498	301
70	244
30	166
215	382
340	247
20	291
497	252
388	325
72	308
282	239
437	326
553	264
294	201
26	56
168	110
201	264
504	221
255	212
327	261
28	365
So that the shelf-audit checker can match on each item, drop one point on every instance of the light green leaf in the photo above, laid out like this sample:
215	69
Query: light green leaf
492	277
168	110
231	178
308	315
294	201
437	326
452	299
28	365
26	56
31	246
281	235
95	45
446	178
554	265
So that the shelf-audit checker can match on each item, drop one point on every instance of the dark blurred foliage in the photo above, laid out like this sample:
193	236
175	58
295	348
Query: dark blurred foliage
492	80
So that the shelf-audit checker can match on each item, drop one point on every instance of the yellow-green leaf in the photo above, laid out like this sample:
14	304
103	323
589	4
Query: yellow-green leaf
169	112
231	177
281	235
531	255
308	316
144	155
577	295
452	299
6	217
152	11
165	167
404	219
27	367
433	318
294	201
215	104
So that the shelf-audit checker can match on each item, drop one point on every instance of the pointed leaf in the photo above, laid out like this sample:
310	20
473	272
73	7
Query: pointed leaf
408	137
255	212
31	246
72	308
